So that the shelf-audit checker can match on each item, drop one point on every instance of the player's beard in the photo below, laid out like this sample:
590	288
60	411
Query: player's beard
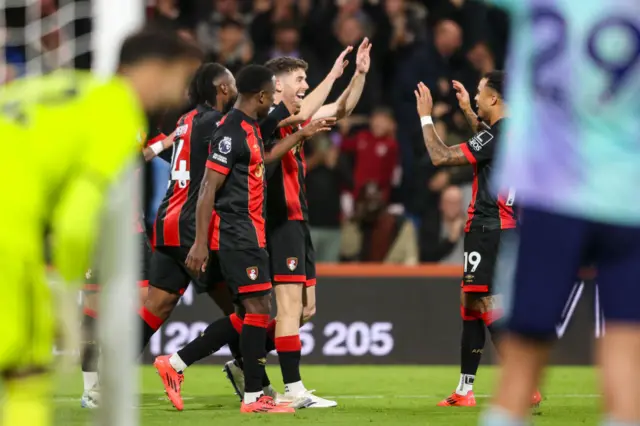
229	104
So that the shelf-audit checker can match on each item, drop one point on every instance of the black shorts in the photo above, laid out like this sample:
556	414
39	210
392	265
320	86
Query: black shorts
93	278
169	272
246	272
293	258
480	254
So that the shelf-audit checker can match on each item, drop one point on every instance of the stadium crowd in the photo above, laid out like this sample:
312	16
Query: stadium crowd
373	193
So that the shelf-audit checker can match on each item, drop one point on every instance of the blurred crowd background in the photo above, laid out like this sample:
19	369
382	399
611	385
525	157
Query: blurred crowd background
373	194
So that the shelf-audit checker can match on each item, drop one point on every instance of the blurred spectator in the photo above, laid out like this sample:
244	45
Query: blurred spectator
324	182
287	43
380	235
374	154
442	239
224	11
233	49
270	14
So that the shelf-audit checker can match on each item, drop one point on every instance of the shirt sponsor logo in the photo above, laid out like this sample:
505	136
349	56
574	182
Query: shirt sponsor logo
182	130
220	158
480	140
225	145
259	170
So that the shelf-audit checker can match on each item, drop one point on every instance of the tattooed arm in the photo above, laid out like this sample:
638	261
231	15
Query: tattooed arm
440	154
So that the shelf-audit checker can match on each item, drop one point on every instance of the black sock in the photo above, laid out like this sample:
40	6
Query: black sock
90	350
234	347
471	347
252	345
150	324
215	336
289	354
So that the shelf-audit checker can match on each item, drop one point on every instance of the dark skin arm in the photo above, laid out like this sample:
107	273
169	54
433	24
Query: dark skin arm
199	253
282	147
441	154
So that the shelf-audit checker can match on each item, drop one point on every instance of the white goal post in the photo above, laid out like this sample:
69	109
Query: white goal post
113	20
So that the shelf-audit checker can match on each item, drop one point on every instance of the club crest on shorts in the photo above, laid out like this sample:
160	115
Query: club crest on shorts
292	263
252	272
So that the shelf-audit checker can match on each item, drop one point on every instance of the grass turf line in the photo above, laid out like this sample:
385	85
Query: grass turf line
383	395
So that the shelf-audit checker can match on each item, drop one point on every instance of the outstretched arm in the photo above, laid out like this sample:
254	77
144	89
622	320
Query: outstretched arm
282	147
154	149
348	100
314	100
440	154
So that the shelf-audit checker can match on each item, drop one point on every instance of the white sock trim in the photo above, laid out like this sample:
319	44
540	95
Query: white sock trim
177	363
466	384
295	388
251	397
90	379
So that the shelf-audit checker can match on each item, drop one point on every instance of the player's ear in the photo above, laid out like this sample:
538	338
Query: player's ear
223	88
278	85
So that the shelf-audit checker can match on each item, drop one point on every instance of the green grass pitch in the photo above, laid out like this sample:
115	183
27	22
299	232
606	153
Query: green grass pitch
380	395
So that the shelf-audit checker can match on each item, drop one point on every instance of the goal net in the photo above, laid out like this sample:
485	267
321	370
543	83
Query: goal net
39	36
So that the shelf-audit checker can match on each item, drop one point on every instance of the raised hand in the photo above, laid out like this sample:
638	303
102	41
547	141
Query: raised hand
340	64
363	56
319	125
464	100
424	102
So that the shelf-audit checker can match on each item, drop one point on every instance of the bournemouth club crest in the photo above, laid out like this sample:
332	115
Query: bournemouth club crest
252	272
292	263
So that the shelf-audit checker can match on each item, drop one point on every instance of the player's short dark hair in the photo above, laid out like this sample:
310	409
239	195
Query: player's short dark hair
253	78
154	44
286	64
495	80
201	88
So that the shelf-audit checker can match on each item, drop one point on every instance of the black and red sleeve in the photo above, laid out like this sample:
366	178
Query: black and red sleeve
480	147
226	148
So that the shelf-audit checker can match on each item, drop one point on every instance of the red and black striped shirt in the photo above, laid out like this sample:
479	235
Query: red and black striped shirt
286	190
175	223
237	151
487	210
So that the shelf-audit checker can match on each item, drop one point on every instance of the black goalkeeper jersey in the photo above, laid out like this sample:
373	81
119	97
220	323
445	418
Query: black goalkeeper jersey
488	210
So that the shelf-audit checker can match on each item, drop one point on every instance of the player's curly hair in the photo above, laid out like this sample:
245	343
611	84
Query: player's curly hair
201	88
495	80
286	64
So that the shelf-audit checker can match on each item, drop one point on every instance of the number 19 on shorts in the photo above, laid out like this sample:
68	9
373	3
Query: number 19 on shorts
471	261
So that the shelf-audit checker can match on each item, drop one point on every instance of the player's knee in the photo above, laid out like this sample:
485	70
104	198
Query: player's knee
161	303
257	304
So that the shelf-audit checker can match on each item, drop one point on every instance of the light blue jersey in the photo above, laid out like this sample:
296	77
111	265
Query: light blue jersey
573	140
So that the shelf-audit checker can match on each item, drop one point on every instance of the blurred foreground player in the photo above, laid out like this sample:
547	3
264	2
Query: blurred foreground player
491	218
64	190
572	155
